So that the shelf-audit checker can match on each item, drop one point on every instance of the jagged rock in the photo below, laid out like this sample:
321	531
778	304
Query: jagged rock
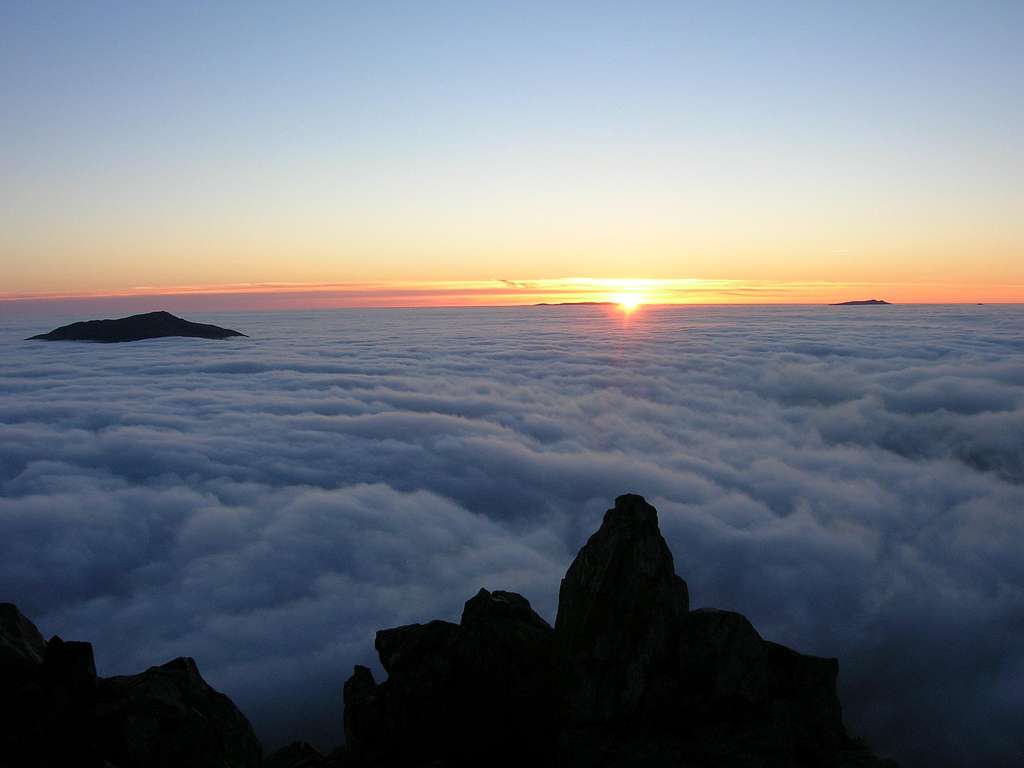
477	692
631	677
169	717
621	608
503	612
46	699
22	695
21	645
70	683
71	665
730	673
648	682
363	710
54	711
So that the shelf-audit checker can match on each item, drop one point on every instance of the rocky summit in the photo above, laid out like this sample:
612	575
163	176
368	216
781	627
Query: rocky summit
151	325
628	676
456	690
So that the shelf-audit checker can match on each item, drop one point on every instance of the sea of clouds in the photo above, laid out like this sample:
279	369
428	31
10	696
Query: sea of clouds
852	479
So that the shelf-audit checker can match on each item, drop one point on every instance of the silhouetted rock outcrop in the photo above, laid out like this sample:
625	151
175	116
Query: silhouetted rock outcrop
169	716
70	684
454	690
629	677
55	711
861	303
151	325
22	695
620	609
21	645
47	697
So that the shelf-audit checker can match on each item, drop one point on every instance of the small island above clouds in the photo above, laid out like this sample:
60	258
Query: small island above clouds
151	325
861	303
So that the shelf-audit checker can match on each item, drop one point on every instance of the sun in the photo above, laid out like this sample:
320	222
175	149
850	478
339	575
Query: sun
628	301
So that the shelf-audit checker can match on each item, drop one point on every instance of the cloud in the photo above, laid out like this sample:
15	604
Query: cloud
853	482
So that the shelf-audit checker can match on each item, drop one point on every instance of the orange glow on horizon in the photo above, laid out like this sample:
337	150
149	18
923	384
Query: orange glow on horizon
628	293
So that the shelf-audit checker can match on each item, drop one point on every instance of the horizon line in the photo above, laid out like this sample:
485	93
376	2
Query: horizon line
497	293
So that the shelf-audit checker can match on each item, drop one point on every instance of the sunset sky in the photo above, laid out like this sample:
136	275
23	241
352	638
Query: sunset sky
342	154
362	201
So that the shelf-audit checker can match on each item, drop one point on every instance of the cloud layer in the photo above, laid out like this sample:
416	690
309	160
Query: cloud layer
852	479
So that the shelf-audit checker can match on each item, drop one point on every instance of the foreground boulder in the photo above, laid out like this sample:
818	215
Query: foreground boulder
454	691
55	711
169	716
628	677
151	325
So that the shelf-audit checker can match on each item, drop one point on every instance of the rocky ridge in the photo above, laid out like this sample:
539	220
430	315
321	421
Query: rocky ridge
55	711
628	676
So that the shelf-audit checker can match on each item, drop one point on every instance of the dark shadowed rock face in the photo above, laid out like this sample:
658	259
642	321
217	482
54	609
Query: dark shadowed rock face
55	711
47	697
749	698
152	325
629	677
169	716
21	645
22	694
477	692
621	608
70	682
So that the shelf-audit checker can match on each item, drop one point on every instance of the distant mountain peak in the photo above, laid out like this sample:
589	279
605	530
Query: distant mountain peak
149	325
861	303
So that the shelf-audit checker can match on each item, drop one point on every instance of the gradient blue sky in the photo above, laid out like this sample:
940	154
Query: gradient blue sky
169	144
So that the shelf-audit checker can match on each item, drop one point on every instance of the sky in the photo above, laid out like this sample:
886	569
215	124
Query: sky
850	479
344	154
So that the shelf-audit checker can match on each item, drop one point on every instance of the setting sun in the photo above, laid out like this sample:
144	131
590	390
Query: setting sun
629	301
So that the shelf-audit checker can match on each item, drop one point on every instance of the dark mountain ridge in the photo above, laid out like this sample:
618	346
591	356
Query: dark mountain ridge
628	676
151	325
861	303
